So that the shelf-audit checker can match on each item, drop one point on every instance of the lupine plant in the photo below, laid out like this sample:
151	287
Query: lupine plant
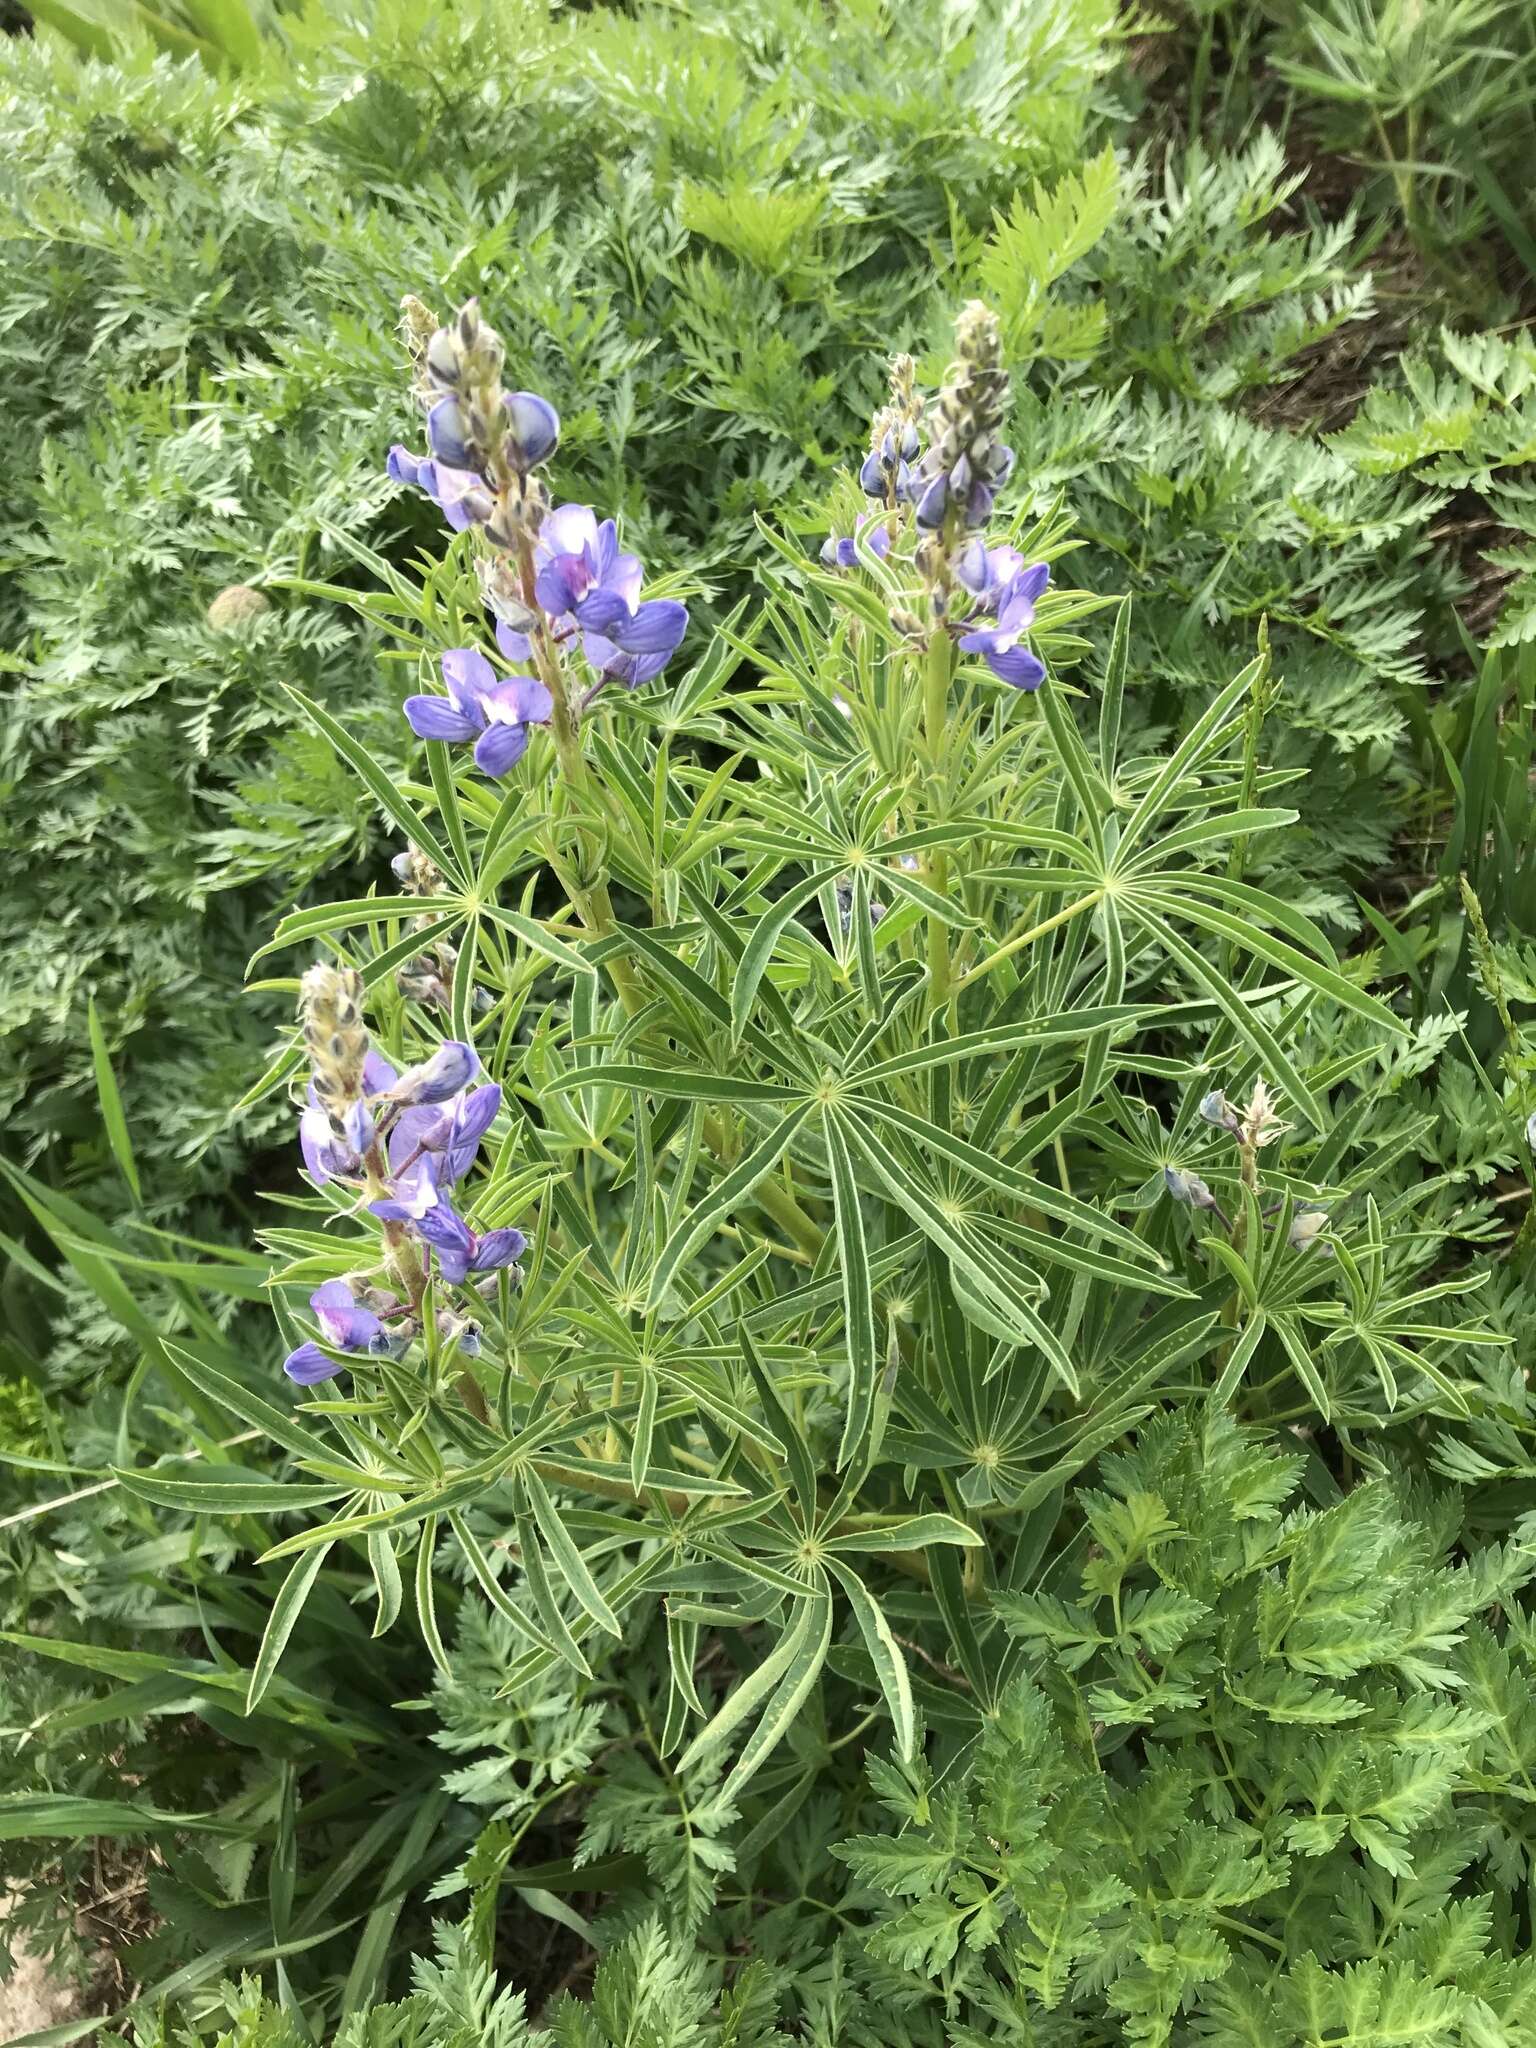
811	1094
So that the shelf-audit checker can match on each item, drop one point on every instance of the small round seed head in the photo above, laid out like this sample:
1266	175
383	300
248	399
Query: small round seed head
235	605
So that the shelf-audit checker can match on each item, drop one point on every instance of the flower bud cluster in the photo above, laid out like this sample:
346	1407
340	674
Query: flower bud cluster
331	1015
967	462
888	474
427	979
985	598
1250	1128
486	444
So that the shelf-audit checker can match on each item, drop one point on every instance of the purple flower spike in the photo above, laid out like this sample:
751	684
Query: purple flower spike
534	429
452	1067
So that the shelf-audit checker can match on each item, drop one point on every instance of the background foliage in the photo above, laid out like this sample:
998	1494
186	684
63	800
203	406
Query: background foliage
1263	275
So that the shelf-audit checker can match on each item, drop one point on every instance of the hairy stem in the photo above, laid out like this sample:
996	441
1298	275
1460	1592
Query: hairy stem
936	677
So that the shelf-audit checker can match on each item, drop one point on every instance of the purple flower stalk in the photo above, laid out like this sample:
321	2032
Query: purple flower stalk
495	712
888	474
485	443
346	1325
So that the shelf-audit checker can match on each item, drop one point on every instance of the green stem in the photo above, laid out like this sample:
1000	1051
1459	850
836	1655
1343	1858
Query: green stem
594	906
1258	705
936	678
1036	931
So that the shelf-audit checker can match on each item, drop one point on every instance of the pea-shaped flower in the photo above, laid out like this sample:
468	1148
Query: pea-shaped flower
327	1152
461	493
447	1133
346	1325
495	712
462	1251
840	551
584	580
998	644
451	1068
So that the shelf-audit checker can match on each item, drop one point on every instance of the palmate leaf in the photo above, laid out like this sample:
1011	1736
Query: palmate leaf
858	1301
1002	1289
286	1609
386	792
733	1188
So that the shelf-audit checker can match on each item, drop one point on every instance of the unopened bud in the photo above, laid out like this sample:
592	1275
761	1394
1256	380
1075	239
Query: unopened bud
1306	1225
1188	1188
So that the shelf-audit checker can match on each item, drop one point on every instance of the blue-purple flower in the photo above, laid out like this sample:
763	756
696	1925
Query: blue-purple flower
460	493
533	429
346	1325
448	1133
585	582
840	551
413	1191
448	433
493	711
460	1250
987	573
998	644
325	1153
450	1069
